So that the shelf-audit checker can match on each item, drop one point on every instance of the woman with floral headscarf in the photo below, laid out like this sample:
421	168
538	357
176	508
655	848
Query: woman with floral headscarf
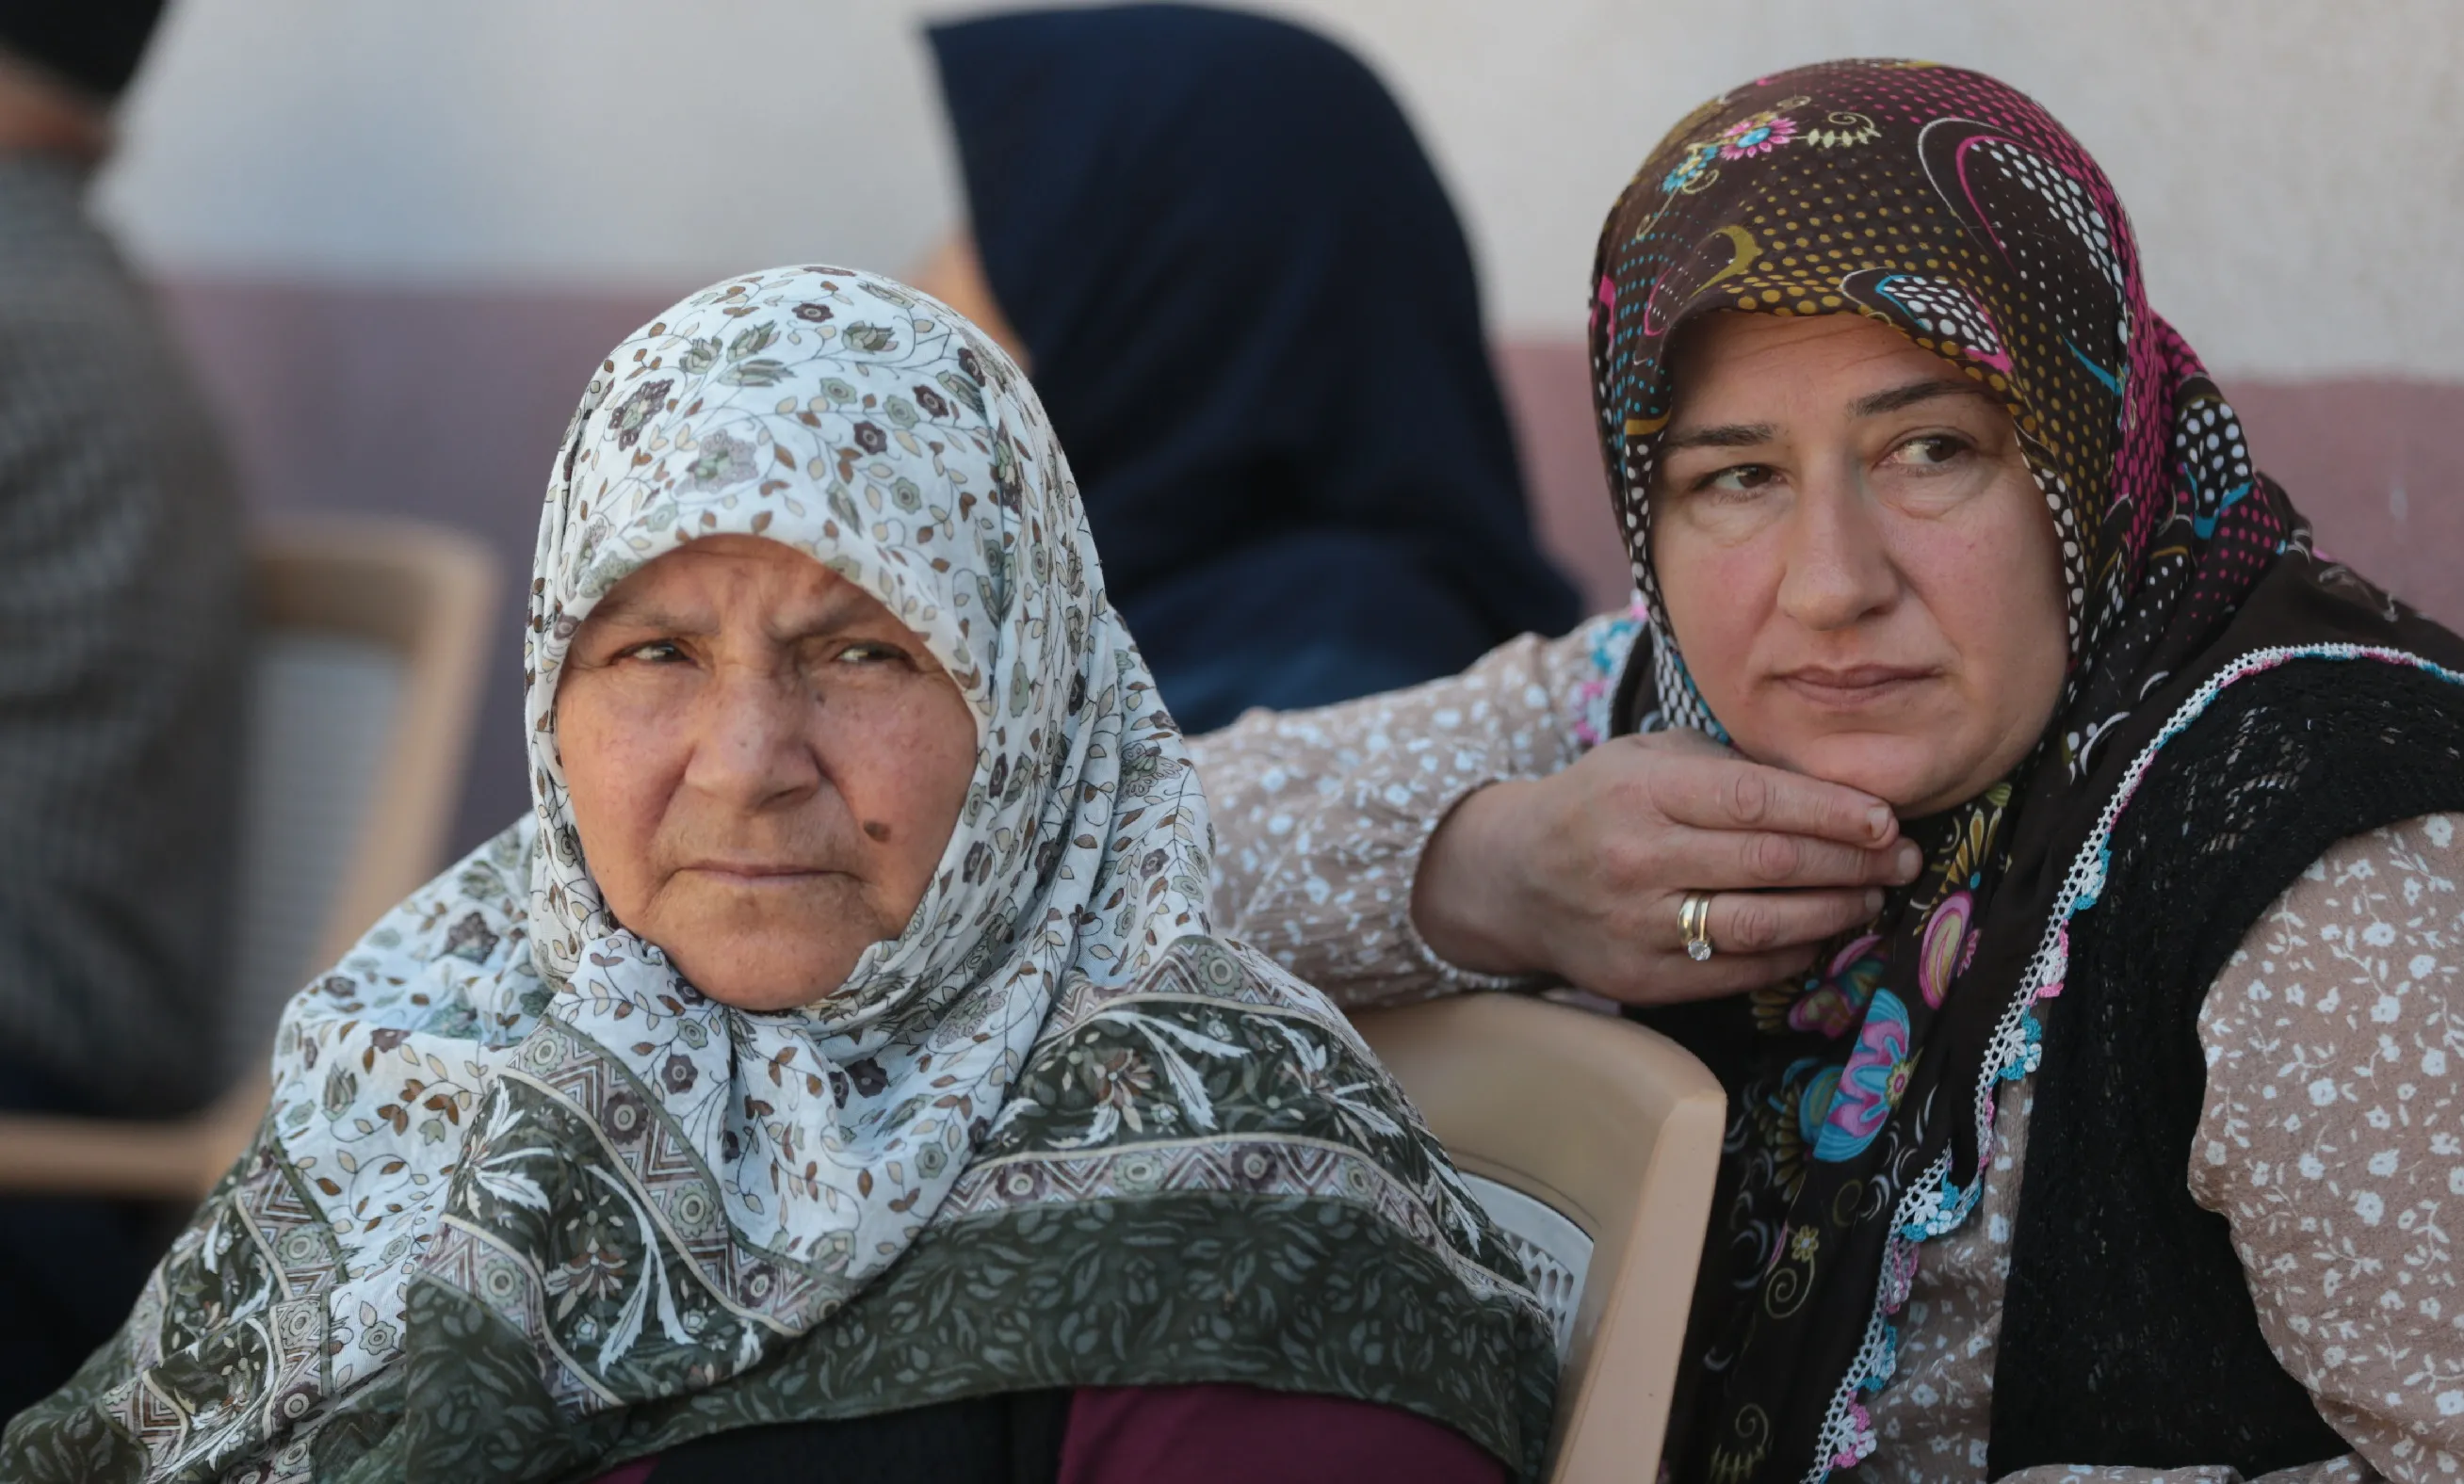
836	1077
2116	1143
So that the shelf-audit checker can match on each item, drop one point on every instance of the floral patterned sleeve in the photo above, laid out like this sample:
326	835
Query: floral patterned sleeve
2333	1143
2333	1139
2330	1142
2348	1470
1320	816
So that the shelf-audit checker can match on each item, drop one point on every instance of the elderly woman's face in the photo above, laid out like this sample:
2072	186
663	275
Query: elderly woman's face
764	766
1859	567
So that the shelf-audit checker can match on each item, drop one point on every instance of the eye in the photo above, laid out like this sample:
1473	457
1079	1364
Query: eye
1737	479
870	651
1933	451
658	651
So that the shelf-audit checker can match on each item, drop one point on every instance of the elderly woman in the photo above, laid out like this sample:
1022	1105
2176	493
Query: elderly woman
837	1076
2118	1143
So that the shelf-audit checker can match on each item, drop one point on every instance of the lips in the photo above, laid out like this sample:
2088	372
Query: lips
1854	686
756	871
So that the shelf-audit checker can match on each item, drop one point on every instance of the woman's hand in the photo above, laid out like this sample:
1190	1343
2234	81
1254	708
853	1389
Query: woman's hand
1579	874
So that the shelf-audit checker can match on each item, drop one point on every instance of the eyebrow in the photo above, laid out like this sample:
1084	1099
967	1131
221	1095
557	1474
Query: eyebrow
1897	398
619	608
1727	435
844	603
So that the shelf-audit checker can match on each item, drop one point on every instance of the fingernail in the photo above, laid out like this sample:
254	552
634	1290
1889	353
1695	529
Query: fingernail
1908	859
1879	819
1873	900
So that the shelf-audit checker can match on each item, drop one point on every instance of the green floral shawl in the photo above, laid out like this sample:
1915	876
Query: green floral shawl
526	1205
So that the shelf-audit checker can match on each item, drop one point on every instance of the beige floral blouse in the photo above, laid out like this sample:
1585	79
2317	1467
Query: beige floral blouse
2332	1139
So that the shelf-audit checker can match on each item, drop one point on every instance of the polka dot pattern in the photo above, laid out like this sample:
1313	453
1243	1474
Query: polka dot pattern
1952	208
1961	215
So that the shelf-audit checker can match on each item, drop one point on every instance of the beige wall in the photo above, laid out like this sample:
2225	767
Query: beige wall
399	233
2297	170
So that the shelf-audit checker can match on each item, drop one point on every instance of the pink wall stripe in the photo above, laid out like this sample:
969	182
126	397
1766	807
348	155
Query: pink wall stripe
448	404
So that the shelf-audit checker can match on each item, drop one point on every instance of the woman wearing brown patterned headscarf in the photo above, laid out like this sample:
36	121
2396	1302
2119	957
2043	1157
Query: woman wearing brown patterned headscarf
1923	498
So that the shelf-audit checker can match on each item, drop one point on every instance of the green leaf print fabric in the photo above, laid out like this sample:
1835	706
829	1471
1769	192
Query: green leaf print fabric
526	1205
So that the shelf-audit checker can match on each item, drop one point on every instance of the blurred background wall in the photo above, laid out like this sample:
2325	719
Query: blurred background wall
398	237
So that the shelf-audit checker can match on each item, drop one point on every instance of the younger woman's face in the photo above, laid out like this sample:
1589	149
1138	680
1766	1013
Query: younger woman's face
765	766
1855	559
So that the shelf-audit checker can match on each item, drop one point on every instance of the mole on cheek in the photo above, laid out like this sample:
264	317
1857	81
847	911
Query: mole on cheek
876	829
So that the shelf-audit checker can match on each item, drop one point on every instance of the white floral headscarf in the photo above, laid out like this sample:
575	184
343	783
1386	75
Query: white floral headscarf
526	1202
863	424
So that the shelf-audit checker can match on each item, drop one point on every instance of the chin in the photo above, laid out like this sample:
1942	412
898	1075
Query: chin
768	978
1906	773
764	949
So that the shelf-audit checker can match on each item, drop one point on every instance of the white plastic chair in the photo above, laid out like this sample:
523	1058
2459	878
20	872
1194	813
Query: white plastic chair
1592	1142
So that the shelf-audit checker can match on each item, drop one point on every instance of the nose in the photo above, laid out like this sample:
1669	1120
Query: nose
752	747
1839	570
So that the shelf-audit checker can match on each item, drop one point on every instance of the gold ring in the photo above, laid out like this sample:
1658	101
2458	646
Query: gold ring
1694	921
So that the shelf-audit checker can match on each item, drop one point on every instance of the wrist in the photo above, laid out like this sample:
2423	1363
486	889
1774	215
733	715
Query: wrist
1463	900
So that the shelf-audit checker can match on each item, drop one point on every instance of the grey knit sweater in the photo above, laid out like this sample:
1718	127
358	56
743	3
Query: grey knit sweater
123	627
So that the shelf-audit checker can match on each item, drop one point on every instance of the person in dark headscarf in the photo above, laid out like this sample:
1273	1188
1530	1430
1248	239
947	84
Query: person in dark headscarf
1251	310
122	626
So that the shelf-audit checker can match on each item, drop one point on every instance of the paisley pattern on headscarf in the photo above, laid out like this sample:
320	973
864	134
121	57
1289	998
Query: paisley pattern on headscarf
526	1202
1955	209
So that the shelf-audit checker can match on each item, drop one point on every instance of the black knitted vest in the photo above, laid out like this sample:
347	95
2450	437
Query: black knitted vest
2129	1335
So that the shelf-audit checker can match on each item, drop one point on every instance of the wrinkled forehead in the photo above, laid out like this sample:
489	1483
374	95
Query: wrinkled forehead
840	415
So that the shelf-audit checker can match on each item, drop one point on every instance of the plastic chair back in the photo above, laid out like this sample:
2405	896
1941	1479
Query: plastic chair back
370	636
1593	1143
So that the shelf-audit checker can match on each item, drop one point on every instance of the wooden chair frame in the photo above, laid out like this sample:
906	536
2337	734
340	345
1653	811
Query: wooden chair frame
427	593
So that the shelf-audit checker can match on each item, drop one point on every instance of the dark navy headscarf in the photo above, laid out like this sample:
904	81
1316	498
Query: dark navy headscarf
1252	315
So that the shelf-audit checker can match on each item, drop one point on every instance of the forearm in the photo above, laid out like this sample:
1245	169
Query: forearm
1320	816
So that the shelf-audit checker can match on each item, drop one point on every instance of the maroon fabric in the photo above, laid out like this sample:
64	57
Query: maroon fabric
1224	1434
1213	1434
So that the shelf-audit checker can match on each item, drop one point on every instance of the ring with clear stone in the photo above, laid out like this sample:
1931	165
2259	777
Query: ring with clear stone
1694	921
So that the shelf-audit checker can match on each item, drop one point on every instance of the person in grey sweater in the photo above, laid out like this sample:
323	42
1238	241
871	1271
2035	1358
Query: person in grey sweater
123	625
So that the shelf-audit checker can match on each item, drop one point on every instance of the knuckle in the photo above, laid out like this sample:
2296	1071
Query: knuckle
1755	924
1655	932
1651	788
1620	860
1773	858
1749	796
1632	792
1819	863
